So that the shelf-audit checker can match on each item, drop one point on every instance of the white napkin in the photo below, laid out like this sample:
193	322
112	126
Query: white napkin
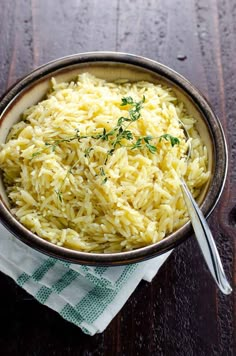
89	297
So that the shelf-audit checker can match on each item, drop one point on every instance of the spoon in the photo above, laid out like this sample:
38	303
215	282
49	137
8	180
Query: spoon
202	232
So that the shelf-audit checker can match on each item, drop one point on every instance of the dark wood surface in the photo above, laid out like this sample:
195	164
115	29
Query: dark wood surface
181	312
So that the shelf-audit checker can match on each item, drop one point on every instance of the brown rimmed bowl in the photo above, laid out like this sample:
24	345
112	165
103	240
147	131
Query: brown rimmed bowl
112	66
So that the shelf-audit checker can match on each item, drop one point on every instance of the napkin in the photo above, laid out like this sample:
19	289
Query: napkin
89	297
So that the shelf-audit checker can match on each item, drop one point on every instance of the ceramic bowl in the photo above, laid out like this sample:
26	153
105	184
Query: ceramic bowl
112	66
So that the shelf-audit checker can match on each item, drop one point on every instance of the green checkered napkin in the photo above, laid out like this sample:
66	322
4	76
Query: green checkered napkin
89	297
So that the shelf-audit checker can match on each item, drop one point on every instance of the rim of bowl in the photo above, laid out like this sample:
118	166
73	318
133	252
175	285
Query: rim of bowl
212	196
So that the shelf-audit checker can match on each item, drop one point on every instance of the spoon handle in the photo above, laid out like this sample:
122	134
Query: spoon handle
205	240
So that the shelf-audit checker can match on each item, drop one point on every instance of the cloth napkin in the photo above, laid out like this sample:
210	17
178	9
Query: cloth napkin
89	297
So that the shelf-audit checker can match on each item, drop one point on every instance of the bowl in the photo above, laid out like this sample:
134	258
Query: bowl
112	66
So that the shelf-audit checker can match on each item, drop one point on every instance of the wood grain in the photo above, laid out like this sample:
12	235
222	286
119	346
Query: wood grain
180	312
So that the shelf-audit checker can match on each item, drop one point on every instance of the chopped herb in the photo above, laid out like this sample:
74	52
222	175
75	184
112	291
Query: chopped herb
102	172
59	195
104	180
137	144
127	101
146	139
87	151
173	140
151	148
121	120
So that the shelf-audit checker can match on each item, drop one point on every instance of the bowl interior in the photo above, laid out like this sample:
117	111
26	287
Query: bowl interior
36	91
32	89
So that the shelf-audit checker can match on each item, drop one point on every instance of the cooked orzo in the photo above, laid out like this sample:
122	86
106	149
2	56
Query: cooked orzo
95	166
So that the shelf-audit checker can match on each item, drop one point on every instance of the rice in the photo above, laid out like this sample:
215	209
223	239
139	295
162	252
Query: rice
78	200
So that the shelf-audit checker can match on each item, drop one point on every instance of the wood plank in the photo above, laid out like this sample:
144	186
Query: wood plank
83	26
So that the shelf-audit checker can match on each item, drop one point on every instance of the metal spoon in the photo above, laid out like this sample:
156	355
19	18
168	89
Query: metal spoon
203	233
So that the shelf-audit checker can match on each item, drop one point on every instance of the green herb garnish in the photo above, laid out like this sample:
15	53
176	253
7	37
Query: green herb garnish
59	195
116	137
87	151
144	141
173	140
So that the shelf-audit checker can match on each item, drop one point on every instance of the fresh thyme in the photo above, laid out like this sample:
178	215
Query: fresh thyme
144	141
103	174
59	195
69	171
54	144
87	151
116	137
173	140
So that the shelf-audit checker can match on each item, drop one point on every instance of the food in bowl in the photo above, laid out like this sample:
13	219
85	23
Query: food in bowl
95	166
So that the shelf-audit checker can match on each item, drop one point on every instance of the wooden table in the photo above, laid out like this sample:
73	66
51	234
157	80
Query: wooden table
181	312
